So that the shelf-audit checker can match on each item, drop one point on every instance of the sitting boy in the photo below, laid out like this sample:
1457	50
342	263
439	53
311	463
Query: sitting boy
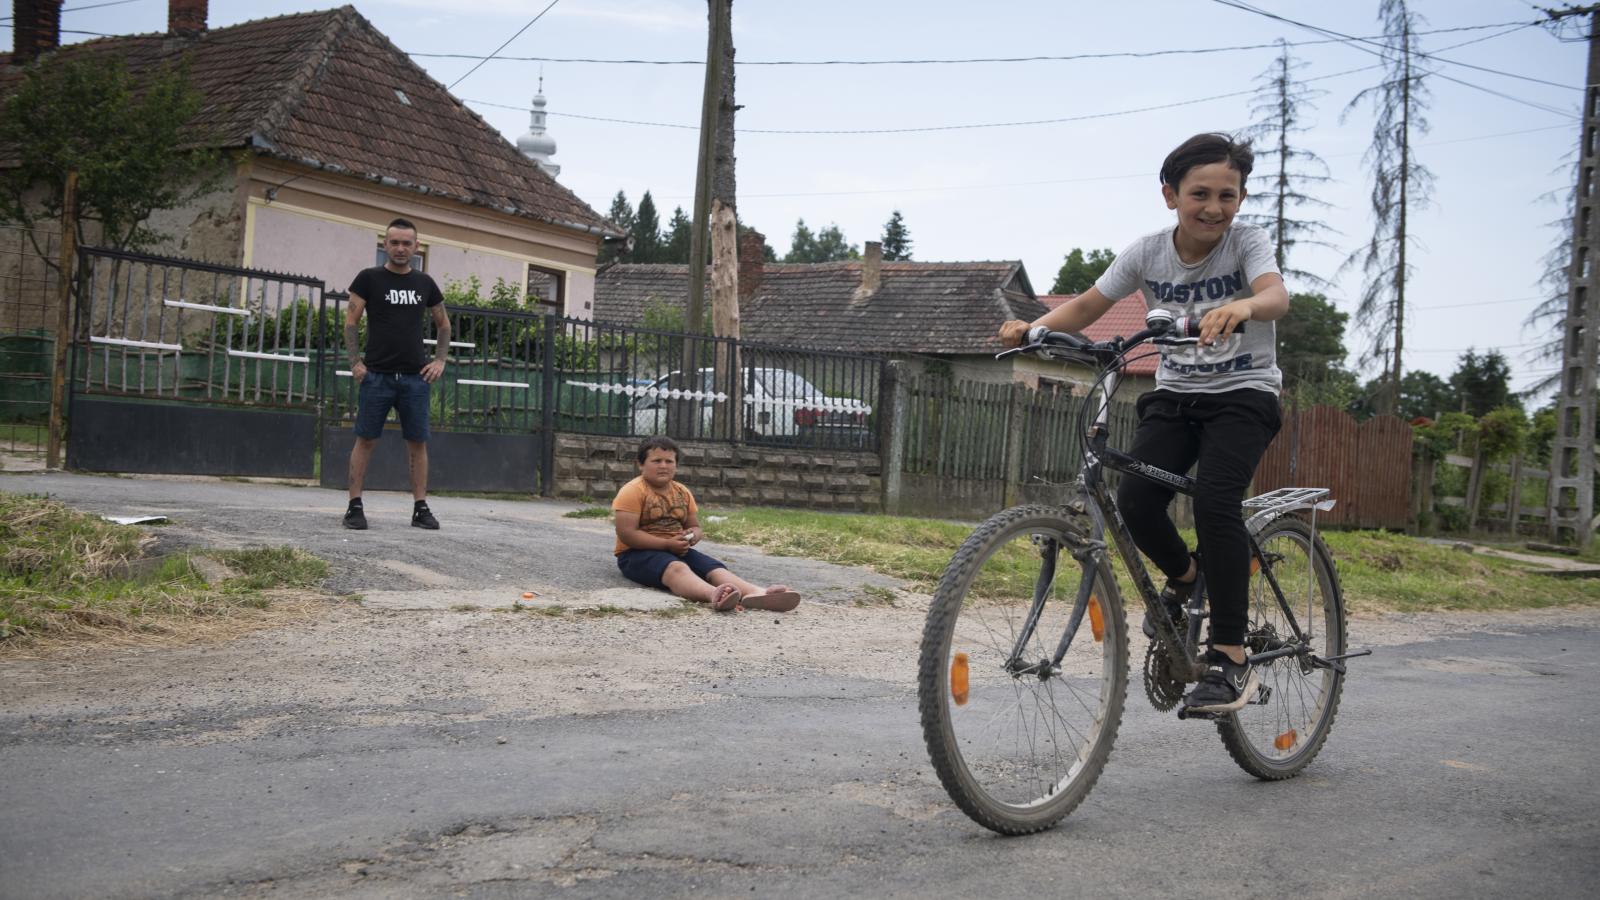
658	525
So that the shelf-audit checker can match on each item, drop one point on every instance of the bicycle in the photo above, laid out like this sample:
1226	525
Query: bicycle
1020	705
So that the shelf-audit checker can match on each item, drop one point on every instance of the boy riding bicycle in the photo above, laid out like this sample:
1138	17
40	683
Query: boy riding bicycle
1215	403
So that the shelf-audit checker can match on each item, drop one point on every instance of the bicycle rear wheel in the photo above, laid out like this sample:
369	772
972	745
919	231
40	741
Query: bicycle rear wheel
1275	737
1016	743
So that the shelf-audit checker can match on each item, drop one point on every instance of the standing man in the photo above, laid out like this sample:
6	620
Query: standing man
394	372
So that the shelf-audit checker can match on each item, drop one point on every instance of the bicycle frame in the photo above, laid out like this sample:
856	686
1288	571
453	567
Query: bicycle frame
1105	516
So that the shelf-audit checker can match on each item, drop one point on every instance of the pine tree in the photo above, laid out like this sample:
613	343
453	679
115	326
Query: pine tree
1399	185
621	215
1550	315
896	239
675	249
646	232
1278	112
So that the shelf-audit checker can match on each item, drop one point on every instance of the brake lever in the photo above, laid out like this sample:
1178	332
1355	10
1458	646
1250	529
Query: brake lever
1028	348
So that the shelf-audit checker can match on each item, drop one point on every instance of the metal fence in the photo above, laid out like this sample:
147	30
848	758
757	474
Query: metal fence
177	329
513	371
28	297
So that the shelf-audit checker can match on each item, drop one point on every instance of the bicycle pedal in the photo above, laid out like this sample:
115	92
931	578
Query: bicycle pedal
1184	712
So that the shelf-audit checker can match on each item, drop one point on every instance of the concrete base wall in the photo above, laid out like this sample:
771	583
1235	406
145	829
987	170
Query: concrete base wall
594	467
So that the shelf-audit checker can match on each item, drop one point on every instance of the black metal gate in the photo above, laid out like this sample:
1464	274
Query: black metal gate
185	367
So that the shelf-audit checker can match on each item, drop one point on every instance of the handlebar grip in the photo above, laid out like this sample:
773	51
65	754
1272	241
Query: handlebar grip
1189	326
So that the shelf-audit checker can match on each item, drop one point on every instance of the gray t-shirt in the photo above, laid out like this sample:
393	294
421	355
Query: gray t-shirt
1151	265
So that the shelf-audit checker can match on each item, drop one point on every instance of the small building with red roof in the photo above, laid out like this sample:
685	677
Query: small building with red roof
1124	318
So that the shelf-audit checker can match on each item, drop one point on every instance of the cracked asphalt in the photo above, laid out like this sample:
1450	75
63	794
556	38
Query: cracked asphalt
429	749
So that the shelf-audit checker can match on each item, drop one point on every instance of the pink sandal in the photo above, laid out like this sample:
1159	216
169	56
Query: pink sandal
726	598
773	601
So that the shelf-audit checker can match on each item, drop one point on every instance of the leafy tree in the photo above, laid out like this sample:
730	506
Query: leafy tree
1311	340
1079	273
803	246
832	247
1278	109
827	245
646	232
896	239
1400	185
124	135
1483	382
621	215
675	249
1422	395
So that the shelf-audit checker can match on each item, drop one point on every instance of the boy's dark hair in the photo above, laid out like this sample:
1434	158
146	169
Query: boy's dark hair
1204	149
402	223
659	442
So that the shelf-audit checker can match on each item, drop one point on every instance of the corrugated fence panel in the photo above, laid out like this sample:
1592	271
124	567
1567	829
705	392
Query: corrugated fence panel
1367	467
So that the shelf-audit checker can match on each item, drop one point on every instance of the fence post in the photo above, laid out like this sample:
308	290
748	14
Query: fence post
58	372
1422	521
547	390
1011	488
1475	487
1514	495
891	440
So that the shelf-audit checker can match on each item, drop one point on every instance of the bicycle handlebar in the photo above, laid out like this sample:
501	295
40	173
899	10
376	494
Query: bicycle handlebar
1179	330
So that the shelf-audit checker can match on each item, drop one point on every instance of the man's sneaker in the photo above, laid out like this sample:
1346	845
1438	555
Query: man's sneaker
1173	597
1225	687
355	518
422	517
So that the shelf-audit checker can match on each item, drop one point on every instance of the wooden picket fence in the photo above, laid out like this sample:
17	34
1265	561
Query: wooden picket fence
1366	465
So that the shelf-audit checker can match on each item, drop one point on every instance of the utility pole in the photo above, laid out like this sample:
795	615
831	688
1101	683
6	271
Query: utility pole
726	414
1572	453
683	415
58	371
702	181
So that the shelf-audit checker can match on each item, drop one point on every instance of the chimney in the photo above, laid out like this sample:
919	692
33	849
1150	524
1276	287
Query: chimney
36	28
752	263
871	269
186	18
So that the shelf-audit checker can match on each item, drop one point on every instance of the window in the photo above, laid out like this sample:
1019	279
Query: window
547	287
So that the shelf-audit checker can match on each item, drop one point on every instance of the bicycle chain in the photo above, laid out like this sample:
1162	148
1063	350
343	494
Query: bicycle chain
1163	690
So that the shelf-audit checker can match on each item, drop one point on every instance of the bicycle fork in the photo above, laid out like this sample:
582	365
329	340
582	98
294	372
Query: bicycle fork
1050	552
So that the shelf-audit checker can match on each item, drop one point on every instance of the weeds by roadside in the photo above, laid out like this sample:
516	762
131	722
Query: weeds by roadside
588	512
1378	570
66	575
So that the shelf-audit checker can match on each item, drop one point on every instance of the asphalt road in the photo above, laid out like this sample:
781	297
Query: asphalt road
1460	765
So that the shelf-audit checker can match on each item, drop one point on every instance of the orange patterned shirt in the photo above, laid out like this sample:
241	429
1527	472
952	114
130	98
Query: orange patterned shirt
665	513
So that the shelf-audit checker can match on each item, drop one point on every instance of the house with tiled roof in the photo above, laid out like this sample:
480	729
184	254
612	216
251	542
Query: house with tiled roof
1125	317
946	313
329	131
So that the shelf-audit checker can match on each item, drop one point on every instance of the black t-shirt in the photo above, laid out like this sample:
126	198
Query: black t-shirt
394	317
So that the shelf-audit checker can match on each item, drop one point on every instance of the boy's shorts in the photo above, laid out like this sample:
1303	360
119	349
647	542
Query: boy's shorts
406	394
646	566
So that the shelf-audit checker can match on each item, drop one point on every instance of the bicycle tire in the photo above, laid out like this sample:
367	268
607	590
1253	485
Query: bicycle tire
1279	738
1011	756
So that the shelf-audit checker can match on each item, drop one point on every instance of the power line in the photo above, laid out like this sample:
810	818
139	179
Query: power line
924	128
503	46
1237	4
1117	54
90	6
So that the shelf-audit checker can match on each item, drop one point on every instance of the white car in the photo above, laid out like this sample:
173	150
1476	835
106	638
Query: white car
779	406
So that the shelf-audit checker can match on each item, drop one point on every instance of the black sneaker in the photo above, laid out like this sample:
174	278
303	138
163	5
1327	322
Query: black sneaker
355	518
422	517
1175	596
1225	687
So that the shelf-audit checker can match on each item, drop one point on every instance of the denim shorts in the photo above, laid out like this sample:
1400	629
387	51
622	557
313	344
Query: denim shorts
647	566
406	394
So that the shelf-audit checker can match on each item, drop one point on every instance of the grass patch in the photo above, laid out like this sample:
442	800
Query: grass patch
1378	570
684	608
872	595
66	575
588	512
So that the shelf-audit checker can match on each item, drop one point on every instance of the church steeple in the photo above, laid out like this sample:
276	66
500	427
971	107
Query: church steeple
537	144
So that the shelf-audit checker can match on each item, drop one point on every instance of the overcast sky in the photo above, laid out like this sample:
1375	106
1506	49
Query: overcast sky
1497	144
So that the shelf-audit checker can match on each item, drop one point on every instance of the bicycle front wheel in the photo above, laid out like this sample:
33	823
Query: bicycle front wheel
1279	734
1017	740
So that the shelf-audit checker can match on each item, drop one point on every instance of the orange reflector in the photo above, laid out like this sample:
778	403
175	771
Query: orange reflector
958	679
1097	622
1284	741
1255	565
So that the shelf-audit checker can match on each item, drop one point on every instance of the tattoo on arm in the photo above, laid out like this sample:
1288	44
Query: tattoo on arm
441	334
352	343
